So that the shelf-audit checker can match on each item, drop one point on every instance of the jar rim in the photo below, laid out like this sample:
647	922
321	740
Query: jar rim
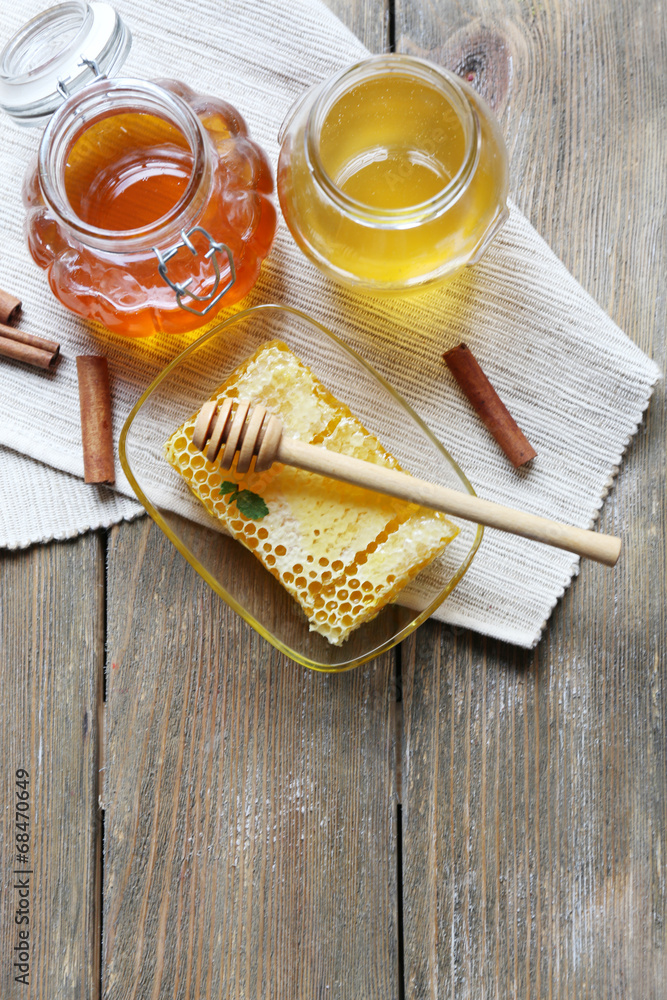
373	68
103	99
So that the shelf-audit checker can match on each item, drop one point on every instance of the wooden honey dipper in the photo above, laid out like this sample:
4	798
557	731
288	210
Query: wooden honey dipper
251	431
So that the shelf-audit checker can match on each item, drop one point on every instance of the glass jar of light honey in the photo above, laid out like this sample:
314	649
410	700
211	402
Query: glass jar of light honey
149	205
392	174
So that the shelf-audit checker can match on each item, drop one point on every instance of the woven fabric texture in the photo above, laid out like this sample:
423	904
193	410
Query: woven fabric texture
574	382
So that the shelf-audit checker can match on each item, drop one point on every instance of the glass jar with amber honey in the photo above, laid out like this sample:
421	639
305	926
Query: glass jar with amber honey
149	205
393	174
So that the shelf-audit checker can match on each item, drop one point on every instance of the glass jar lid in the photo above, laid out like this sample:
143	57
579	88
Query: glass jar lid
57	53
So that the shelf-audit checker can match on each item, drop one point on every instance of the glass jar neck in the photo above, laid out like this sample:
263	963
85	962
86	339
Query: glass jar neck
411	70
116	97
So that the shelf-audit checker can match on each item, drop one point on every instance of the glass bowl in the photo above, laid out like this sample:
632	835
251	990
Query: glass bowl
227	566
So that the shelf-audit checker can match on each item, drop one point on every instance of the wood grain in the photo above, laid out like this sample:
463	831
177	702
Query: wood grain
250	805
535	784
51	652
369	20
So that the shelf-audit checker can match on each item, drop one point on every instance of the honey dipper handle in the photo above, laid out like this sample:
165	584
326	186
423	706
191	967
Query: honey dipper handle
593	545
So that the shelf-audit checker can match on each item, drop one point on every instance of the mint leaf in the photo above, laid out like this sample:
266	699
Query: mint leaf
251	505
228	487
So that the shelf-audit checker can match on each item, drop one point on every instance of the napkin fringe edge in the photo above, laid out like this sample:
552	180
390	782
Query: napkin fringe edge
606	489
67	534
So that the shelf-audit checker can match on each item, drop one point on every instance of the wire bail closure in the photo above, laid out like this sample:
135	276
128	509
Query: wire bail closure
92	64
181	288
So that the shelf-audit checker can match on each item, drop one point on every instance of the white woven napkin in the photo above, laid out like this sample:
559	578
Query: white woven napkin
574	382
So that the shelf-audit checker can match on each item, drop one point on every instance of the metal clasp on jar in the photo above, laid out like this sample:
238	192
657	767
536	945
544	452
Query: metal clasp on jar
92	64
181	288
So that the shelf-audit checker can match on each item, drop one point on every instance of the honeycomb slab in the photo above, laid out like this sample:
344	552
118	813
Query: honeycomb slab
341	551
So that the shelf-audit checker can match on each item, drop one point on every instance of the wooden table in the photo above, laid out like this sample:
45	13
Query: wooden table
460	818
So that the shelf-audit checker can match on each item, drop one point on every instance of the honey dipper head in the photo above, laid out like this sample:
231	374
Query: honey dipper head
243	429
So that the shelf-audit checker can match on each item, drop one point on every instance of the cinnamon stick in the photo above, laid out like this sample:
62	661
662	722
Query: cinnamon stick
10	307
95	405
11	333
29	353
492	411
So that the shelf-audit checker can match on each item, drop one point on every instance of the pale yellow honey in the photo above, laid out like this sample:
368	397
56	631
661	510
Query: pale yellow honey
392	143
341	551
393	186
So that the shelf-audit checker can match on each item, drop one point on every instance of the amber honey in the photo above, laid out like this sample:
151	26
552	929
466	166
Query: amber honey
142	189
127	171
394	175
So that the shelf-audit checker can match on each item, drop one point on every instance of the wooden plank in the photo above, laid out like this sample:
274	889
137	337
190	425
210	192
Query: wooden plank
51	655
367	19
535	784
250	807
